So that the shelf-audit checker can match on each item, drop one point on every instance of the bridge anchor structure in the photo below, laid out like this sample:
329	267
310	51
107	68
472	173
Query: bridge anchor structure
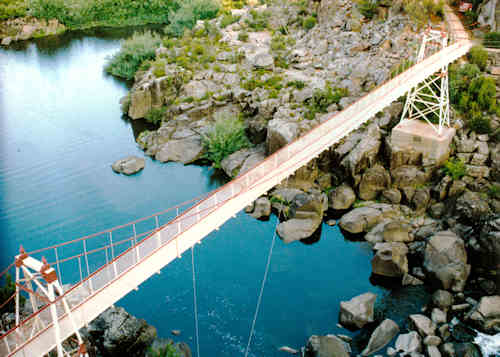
425	121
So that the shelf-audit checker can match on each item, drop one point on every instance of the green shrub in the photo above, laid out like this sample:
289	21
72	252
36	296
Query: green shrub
456	169
480	124
494	191
460	78
6	291
189	12
135	50
167	351
243	36
322	99
368	8
478	56
309	22
296	84
280	42
225	137
259	20
228	19
471	18
84	13
156	115
492	39
159	68
11	9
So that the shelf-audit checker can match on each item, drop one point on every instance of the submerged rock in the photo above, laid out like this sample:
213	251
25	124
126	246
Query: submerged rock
129	165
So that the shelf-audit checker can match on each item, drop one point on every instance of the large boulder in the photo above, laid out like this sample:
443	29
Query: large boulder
325	346
397	231
364	154
306	213
382	335
471	207
360	219
280	132
407	178
390	259
117	333
422	324
374	180
262	208
129	165
341	198
242	160
409	342
489	247
358	311
186	150
200	89
486	315
446	260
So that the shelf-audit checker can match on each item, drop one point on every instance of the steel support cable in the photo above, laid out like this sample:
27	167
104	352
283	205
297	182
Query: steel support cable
195	305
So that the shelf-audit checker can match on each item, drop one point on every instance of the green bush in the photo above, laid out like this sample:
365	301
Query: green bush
84	13
225	137
156	115
135	50
480	124
494	191
460	78
6	291
259	20
478	56
368	8
228	19
456	169
10	9
243	36
492	39
322	99
167	351
296	84
309	22
189	12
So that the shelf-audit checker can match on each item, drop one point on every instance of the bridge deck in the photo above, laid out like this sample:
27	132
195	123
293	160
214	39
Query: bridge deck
114	280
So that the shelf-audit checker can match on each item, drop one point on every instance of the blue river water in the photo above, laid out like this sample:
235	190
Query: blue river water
60	130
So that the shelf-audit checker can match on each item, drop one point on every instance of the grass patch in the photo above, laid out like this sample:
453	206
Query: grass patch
226	136
492	39
296	84
228	19
135	50
478	56
259	20
309	22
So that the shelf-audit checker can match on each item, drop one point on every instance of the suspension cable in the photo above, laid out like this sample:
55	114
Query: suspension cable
195	305
259	300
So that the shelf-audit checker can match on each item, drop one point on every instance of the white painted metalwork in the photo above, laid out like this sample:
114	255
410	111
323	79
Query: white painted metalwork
430	99
157	247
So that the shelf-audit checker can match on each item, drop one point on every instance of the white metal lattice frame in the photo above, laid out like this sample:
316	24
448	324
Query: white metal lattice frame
431	97
49	287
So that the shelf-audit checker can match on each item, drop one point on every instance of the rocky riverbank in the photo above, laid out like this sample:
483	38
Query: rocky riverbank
427	225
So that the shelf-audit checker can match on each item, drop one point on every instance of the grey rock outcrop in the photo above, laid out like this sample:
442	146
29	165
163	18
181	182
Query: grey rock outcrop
262	208
446	260
129	165
374	180
471	206
358	311
117	333
186	150
280	133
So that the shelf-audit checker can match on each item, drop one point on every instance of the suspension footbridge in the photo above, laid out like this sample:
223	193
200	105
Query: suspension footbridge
112	263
